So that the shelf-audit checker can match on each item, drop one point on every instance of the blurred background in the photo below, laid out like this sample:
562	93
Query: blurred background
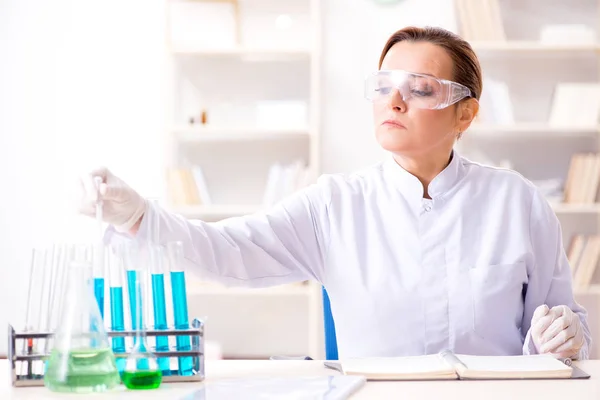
220	108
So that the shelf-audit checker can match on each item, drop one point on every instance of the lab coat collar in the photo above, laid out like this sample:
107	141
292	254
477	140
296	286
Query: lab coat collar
410	186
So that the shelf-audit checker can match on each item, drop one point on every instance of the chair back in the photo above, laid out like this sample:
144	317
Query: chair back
331	350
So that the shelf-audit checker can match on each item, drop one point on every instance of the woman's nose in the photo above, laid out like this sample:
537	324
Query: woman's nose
396	101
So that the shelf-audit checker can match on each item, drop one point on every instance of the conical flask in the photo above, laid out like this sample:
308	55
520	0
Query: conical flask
81	359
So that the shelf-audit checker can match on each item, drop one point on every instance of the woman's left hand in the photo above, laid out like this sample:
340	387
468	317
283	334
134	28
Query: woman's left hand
557	331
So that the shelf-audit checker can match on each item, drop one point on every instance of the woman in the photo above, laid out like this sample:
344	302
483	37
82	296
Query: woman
422	252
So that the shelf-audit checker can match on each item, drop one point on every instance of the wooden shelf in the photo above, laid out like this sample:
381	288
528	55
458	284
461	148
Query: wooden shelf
532	46
530	129
562	208
591	290
208	134
211	211
284	290
244	52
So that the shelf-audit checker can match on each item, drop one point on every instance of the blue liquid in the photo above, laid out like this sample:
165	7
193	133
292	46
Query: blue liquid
99	293
134	289
132	278
117	323
181	321
160	320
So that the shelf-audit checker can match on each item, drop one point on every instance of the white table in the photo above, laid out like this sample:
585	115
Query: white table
215	370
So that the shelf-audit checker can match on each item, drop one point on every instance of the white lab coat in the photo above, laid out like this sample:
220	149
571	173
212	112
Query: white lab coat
405	275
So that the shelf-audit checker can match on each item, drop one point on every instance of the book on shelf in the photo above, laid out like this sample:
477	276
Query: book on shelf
186	186
583	179
567	34
181	187
480	20
496	105
284	180
575	104
450	366
583	255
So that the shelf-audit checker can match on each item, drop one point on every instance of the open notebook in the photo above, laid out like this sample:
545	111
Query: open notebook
447	365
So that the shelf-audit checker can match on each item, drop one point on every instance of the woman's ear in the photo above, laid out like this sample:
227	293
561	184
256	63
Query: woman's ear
466	113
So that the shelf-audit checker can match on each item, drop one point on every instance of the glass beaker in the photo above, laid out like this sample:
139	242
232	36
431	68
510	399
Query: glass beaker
81	359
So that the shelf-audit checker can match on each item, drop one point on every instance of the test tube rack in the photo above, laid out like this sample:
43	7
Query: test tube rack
19	361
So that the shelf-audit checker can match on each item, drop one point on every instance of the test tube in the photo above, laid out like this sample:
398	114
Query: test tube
157	270
56	264
98	272
180	310
137	284
117	320
131	260
34	291
159	305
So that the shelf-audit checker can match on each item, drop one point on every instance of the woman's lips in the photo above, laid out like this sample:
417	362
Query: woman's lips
393	123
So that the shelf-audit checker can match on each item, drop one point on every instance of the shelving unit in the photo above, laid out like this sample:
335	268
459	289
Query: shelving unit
528	130
561	209
253	93
199	135
244	52
530	69
531	47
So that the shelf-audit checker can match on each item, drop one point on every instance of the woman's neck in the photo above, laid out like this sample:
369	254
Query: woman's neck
425	167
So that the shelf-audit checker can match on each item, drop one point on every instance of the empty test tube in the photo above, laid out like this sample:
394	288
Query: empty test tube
99	253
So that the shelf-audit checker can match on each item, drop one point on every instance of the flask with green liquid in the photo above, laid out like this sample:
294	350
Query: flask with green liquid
81	359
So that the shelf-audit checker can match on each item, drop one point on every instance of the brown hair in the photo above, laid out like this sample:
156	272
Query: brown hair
467	70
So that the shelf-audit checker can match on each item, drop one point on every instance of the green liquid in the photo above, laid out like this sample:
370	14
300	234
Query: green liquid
82	371
142	379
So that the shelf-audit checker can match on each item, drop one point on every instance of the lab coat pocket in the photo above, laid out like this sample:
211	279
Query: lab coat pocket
497	299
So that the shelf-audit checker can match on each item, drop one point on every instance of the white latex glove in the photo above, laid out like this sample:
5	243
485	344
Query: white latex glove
122	206
557	331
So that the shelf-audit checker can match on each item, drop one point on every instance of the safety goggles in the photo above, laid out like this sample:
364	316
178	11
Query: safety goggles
417	90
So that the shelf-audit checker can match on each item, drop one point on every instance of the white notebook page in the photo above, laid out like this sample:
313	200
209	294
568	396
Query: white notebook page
397	365
542	362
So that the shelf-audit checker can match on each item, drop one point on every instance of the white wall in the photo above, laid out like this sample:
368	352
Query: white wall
76	91
81	85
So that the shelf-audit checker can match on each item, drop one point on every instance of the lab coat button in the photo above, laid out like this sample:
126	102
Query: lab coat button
427	208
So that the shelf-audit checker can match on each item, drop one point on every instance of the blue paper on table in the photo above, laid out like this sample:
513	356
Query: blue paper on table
289	388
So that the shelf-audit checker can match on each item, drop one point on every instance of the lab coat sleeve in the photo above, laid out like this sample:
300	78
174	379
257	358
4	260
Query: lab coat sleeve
549	273
285	244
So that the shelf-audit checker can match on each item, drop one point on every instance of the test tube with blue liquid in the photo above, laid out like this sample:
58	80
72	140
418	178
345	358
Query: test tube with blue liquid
159	305
116	262
180	309
136	282
157	270
133	272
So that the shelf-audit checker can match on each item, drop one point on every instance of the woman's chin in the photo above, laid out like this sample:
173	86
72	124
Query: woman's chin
394	141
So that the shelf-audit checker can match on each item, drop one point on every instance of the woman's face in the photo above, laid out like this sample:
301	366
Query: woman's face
410	130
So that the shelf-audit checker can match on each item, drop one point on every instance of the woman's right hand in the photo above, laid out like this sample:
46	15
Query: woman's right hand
122	206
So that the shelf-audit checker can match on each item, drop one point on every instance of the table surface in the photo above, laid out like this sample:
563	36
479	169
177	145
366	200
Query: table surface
228	369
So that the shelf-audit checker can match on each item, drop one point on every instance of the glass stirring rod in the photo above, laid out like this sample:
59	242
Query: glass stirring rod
99	259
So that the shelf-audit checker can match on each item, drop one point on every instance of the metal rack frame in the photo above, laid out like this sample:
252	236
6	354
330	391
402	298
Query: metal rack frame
30	379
